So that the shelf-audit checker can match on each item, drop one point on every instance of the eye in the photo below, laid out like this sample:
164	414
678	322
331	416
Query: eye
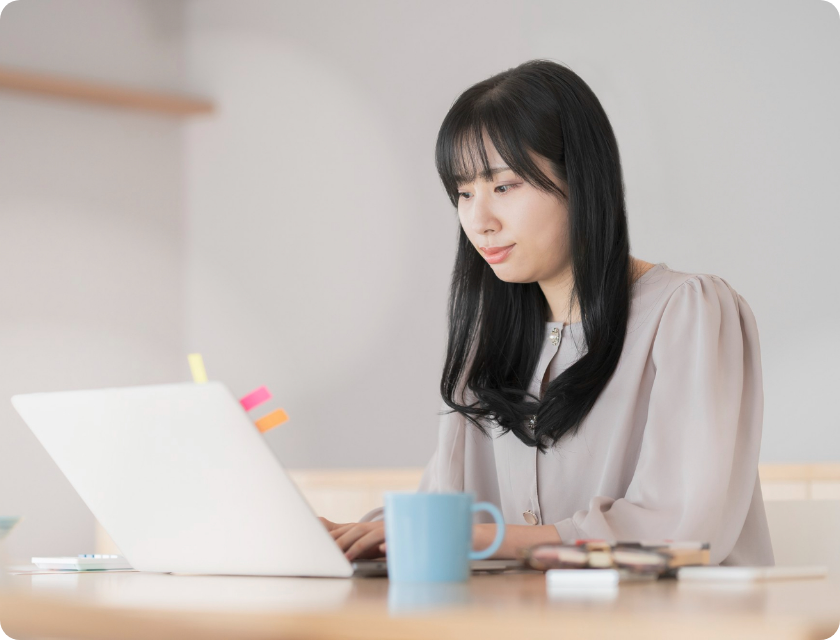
464	195
507	187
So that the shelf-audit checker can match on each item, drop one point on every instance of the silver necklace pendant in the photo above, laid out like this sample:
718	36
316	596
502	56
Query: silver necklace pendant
555	336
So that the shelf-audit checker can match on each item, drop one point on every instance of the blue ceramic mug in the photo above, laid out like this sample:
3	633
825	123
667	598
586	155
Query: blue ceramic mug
429	535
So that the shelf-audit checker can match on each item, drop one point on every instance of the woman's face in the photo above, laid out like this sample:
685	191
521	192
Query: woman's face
520	231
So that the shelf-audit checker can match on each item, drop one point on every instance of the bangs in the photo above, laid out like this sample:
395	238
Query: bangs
461	155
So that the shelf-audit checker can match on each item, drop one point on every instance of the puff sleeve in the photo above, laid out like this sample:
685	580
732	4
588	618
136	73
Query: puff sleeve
698	460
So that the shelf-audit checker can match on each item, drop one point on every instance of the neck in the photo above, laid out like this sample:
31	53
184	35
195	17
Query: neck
557	291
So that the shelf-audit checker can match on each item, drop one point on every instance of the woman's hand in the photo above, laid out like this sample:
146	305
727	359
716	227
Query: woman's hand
517	536
366	540
358	540
329	525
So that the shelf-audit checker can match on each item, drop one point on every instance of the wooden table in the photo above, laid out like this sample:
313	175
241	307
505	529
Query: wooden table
505	605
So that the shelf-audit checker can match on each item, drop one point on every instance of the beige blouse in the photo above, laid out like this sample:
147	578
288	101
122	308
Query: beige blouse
668	451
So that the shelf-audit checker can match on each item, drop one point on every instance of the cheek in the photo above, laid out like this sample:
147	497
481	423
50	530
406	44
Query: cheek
463	226
468	232
545	231
552	232
539	224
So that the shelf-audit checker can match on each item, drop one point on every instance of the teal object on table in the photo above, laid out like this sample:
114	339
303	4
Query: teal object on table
7	523
429	535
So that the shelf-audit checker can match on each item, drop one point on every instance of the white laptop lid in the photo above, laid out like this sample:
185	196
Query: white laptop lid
182	480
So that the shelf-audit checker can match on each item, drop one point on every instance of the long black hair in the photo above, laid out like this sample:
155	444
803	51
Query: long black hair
496	328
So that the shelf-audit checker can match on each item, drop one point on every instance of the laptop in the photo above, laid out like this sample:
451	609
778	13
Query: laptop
183	482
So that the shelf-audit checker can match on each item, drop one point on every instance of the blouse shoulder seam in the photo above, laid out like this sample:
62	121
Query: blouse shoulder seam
693	278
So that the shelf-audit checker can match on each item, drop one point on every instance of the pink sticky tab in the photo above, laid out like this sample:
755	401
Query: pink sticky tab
255	398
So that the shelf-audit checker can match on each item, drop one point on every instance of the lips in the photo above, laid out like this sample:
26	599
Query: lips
494	255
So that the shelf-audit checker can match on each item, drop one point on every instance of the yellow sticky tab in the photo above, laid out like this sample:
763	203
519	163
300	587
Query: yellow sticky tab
197	367
271	420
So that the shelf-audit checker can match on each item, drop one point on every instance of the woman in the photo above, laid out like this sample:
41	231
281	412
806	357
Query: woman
587	393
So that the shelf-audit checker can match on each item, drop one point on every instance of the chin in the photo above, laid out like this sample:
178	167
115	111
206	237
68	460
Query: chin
511	275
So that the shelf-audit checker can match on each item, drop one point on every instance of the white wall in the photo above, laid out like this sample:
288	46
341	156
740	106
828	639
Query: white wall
320	242
91	237
320	239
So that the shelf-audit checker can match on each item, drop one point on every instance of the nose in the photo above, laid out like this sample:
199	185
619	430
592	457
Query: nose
482	219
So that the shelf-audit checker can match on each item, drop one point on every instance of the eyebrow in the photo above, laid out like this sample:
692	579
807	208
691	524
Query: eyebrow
493	171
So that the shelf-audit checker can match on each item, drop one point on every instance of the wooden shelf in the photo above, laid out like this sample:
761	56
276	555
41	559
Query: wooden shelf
102	94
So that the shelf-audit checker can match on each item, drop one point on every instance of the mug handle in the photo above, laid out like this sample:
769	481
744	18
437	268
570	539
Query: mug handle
500	530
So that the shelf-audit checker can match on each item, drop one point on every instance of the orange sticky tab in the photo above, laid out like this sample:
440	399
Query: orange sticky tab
271	420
